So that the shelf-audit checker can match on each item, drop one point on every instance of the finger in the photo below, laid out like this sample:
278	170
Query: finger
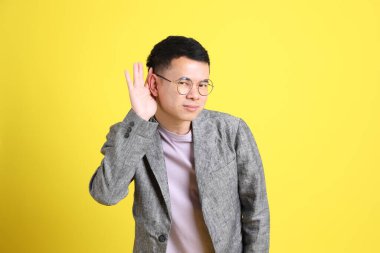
148	76
135	69
138	76
129	81
141	73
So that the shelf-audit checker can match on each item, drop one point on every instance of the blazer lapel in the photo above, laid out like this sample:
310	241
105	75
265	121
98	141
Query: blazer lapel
204	157
209	150
203	142
155	156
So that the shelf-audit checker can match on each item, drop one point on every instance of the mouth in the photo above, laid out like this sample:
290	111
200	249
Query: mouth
191	107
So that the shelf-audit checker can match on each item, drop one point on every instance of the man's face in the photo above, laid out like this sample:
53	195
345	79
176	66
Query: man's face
175	107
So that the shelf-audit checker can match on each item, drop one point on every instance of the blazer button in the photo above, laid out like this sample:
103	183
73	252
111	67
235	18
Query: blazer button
129	129
162	238
131	123
126	135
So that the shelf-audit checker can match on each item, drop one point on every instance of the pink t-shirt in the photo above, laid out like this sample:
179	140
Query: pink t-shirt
188	231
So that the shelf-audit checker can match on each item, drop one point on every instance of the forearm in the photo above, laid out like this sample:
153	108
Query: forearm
252	192
256	223
124	148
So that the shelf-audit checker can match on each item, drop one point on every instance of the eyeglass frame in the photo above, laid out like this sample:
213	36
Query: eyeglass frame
187	79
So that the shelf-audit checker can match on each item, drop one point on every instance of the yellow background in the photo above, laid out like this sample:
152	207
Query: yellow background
303	74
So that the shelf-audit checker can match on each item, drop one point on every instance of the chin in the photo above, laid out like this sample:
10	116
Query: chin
190	116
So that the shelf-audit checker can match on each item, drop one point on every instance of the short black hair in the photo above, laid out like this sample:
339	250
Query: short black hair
174	47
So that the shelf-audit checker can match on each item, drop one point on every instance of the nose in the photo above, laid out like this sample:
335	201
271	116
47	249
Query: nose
193	93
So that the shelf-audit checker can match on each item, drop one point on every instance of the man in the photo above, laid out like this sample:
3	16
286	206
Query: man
199	180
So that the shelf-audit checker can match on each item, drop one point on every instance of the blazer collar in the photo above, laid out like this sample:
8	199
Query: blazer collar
202	146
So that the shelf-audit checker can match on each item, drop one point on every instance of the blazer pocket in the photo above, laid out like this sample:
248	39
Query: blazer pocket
221	163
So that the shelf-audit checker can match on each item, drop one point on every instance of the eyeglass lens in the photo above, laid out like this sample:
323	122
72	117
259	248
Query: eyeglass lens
184	87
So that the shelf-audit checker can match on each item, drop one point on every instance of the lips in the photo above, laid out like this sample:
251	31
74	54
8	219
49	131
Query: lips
191	108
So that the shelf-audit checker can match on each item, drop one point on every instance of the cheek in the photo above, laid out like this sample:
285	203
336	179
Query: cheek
169	100
204	100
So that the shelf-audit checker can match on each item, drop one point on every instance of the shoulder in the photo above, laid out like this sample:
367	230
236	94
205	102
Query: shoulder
217	116
218	121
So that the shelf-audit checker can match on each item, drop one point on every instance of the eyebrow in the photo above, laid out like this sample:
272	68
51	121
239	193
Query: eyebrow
187	78
184	78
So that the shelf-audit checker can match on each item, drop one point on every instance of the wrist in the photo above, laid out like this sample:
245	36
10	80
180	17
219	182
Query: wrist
141	115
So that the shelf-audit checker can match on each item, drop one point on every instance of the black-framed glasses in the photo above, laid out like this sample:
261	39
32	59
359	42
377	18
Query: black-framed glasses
184	85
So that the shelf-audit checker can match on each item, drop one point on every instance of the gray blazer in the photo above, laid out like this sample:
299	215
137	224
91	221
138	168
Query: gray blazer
229	175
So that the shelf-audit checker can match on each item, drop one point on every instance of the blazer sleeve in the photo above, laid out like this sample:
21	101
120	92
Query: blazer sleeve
252	192
125	146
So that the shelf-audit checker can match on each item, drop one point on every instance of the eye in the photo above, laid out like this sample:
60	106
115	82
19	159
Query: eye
184	83
203	84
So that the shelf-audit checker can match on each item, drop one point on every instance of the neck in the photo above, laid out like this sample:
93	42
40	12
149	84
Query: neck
174	126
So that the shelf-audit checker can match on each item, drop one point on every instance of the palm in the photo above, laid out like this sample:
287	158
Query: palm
141	99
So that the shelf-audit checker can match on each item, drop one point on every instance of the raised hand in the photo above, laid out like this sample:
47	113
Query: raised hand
143	103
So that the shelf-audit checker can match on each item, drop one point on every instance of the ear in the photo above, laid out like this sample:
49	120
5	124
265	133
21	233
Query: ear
152	83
